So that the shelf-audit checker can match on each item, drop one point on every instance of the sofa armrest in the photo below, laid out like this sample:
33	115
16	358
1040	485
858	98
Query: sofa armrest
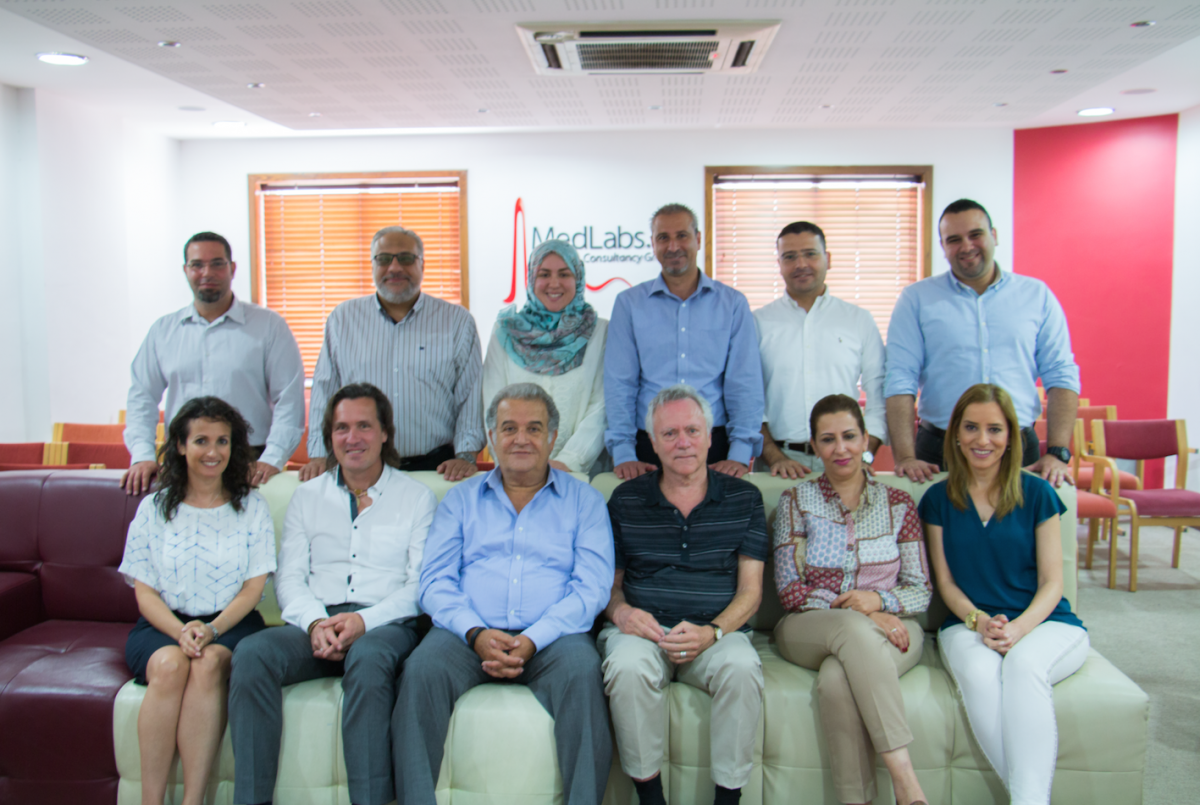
20	601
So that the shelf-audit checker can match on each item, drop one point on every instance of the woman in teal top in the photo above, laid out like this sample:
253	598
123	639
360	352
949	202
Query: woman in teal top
994	542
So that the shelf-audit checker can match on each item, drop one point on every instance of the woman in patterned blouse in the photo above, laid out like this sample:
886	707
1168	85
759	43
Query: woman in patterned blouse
197	555
850	565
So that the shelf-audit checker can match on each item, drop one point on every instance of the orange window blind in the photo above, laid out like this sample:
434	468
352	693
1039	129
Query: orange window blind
872	231
314	247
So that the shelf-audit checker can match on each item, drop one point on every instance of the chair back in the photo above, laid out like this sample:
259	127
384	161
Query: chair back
23	453
1137	439
96	434
112	456
1090	413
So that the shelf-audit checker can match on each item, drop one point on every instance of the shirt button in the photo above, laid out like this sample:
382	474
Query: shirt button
683	329
685	528
683	354
685	544
514	581
518	556
353	556
520	528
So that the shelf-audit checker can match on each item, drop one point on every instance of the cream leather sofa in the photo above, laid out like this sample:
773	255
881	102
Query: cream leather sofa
500	748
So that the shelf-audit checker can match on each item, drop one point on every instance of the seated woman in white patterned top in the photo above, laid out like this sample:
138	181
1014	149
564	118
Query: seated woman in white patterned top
850	566
555	341
197	555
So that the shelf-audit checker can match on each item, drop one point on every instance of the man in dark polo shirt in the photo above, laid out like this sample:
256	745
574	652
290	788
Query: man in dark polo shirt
690	547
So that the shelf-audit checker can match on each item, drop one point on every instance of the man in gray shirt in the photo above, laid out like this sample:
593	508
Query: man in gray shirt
421	351
219	346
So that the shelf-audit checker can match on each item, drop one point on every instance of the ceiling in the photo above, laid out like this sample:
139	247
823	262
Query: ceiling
381	65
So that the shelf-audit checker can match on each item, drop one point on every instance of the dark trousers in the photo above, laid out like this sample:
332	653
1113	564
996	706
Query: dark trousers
282	655
931	439
428	462
718	450
564	677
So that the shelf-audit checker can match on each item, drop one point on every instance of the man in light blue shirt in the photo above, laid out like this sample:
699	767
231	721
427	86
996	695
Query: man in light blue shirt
978	324
682	327
518	564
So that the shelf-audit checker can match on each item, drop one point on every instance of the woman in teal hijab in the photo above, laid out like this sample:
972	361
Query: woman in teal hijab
555	340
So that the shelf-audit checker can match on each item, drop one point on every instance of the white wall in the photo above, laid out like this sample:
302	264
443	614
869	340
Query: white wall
12	363
572	180
1183	388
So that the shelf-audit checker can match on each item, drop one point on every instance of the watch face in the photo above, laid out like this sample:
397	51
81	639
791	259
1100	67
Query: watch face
868	457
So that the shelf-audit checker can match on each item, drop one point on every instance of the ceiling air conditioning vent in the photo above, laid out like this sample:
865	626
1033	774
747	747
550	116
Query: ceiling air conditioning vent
642	47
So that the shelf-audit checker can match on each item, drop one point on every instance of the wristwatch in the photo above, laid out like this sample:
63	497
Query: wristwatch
718	632
465	457
216	632
1061	453
868	457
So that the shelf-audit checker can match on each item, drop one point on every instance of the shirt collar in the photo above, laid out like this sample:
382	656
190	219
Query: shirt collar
495	481
659	285
831	495
376	488
655	497
236	312
417	305
959	285
819	303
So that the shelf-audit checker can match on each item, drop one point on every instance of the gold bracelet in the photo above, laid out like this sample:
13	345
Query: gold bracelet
973	618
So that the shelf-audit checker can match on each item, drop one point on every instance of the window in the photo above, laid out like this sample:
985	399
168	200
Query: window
875	219
312	241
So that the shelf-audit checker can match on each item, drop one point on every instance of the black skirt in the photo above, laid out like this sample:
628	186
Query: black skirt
144	639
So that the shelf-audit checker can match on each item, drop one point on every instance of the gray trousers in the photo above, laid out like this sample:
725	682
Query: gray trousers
264	662
565	679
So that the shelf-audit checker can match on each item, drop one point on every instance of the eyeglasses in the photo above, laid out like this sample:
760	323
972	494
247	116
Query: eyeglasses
215	265
383	259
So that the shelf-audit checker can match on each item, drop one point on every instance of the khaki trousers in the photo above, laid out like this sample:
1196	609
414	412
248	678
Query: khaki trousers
636	675
858	688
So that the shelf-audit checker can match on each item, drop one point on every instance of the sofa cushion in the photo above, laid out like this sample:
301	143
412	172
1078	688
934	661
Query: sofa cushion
20	601
83	520
20	493
58	681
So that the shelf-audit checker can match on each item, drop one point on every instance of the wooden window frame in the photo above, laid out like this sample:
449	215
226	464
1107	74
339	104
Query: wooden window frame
923	172
257	180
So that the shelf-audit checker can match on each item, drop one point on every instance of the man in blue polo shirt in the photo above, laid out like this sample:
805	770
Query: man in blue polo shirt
690	547
682	327
978	324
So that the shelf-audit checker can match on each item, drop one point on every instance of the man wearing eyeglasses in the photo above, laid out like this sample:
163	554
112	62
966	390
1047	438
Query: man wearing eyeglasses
421	351
219	346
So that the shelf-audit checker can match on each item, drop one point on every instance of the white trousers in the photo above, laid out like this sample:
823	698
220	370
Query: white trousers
636	675
1010	702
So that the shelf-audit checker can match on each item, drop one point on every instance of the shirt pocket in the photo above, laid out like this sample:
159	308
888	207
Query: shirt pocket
389	548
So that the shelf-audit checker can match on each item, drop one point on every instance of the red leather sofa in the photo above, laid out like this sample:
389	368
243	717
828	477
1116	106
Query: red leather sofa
66	614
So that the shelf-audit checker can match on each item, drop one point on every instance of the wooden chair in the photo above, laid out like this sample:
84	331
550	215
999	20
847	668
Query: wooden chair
1176	508
1083	477
1100	510
112	456
300	457
23	453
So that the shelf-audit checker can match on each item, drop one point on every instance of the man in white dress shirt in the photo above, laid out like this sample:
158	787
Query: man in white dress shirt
348	579
812	345
218	346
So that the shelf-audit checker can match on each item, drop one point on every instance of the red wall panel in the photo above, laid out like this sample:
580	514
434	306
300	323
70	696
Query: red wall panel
1093	216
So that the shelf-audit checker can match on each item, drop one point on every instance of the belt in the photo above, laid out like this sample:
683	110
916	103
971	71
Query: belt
933	429
799	447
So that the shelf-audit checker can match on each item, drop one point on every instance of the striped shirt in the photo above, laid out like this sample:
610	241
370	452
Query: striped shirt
429	365
686	568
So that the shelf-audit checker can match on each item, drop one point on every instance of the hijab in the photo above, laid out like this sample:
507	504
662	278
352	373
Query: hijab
538	340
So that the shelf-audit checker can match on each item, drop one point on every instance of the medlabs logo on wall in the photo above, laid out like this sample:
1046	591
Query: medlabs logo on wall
597	246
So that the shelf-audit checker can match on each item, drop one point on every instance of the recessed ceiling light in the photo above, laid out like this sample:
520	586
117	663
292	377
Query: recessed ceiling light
314	114
1142	24
1060	71
63	59
256	85
191	108
826	106
1000	104
228	124
1096	111
170	43
655	107
1142	91
483	111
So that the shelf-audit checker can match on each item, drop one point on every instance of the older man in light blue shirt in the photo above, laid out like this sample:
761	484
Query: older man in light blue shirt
978	324
682	327
518	564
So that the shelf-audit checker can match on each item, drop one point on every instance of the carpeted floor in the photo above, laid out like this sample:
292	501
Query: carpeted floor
1153	635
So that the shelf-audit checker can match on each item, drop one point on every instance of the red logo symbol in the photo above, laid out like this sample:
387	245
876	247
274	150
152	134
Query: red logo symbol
519	213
